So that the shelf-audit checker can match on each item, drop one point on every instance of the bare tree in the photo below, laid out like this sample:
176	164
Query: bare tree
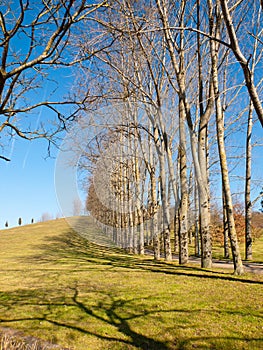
35	46
215	31
77	207
46	217
241	59
255	58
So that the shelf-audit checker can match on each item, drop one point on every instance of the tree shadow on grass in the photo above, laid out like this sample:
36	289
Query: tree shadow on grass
106	312
71	248
49	304
114	319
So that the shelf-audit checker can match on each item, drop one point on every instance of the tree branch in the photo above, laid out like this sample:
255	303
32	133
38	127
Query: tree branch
242	61
4	158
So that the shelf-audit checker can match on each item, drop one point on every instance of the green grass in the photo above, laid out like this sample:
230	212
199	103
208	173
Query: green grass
57	286
257	250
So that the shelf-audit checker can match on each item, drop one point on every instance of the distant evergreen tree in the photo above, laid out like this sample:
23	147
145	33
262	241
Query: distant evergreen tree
32	221
19	221
6	224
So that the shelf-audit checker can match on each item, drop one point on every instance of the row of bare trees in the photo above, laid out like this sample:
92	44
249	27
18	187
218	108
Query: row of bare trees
163	85
174	83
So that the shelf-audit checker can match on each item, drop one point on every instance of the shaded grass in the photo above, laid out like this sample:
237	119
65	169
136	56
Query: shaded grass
57	286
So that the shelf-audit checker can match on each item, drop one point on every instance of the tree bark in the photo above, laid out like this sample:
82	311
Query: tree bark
225	227
238	266
183	211
197	223
248	204
165	210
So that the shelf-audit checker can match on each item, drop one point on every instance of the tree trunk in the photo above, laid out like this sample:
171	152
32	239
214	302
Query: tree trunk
225	228
197	223
238	266
206	245
203	177
165	210
248	205
180	76
139	203
183	231
176	231
154	205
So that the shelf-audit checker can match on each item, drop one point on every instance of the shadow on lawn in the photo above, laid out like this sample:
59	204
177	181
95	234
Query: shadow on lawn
73	251
106	313
71	248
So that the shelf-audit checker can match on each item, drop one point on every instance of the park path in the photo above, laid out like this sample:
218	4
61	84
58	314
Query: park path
251	267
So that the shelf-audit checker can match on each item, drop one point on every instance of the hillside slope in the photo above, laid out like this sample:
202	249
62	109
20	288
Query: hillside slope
57	286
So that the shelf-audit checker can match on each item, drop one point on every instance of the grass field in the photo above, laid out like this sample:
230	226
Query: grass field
57	286
218	251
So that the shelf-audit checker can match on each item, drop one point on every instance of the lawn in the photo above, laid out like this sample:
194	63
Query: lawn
59	287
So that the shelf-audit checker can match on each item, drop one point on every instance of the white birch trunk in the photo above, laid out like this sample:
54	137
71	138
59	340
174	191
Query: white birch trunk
238	266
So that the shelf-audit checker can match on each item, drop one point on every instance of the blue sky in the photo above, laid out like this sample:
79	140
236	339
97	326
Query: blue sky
27	184
28	188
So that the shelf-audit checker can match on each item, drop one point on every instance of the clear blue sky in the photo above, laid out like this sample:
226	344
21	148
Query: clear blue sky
28	187
27	183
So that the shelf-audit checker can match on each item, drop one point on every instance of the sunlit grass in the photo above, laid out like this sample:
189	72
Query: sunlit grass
57	286
257	250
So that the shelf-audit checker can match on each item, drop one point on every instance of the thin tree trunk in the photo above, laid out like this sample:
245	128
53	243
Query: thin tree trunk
154	208
183	231
189	215
206	244
177	211
176	230
156	238
248	205
138	201
225	227
203	180
197	222
238	266
165	210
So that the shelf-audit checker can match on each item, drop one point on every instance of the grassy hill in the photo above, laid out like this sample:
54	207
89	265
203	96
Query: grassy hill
59	287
